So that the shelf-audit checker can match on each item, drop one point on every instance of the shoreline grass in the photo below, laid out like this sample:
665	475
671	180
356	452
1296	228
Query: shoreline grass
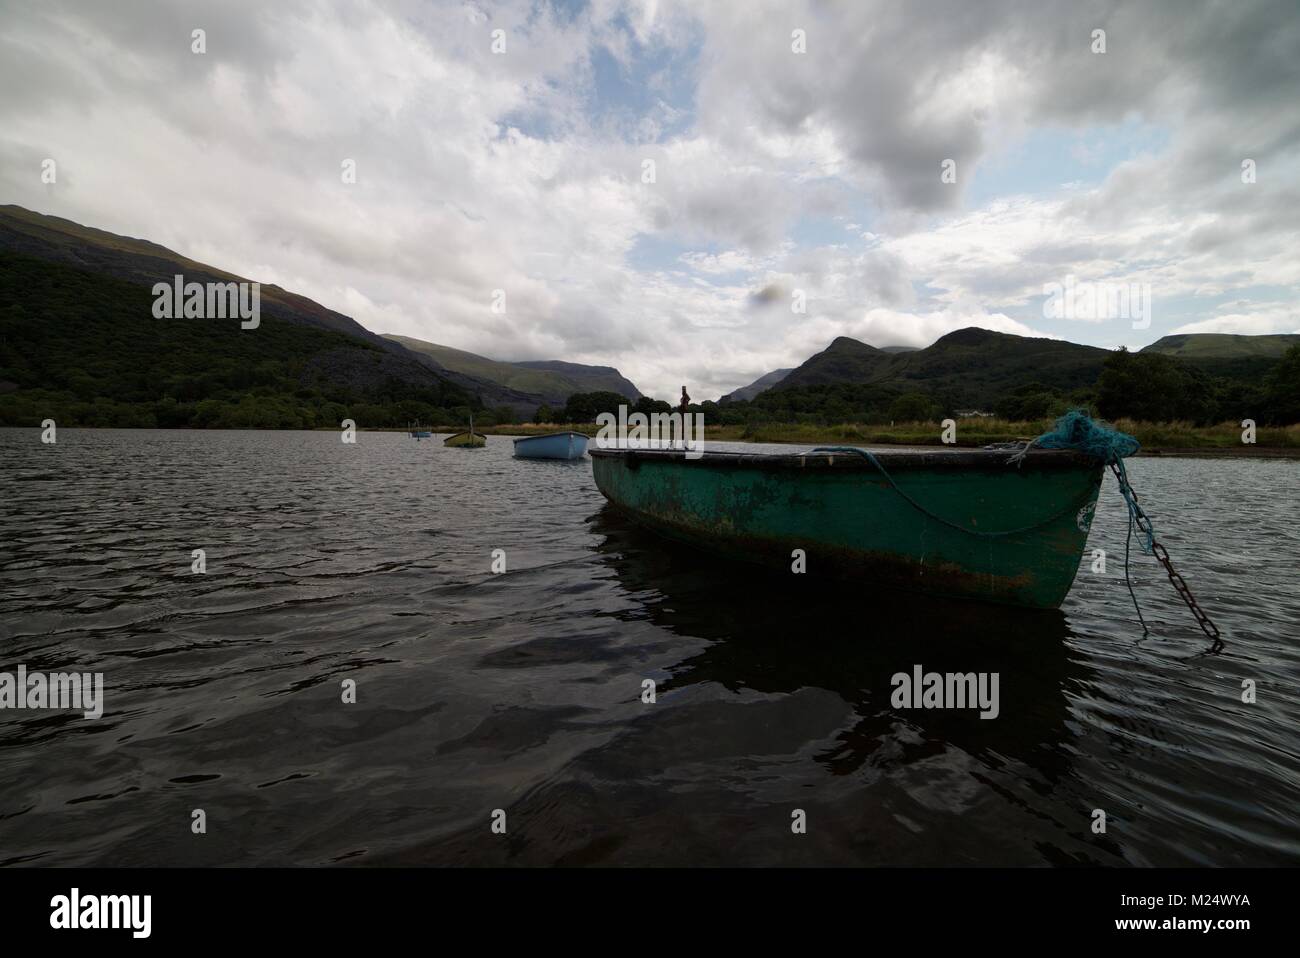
1157	438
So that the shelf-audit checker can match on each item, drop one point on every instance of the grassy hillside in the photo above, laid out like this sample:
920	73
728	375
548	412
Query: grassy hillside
1193	346
586	378
1229	356
139	261
83	348
551	381
475	365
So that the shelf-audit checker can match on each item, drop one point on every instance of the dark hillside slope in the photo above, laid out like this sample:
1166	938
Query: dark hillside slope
84	348
140	261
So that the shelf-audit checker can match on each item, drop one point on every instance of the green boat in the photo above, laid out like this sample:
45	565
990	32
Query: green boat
967	523
466	440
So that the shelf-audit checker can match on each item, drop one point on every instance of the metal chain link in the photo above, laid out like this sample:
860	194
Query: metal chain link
1162	555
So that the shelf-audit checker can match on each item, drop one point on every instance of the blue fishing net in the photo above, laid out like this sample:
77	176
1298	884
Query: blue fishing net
1077	430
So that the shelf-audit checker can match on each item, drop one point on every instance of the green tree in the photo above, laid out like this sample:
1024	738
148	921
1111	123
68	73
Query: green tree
1281	396
585	407
650	406
1155	388
1030	401
912	407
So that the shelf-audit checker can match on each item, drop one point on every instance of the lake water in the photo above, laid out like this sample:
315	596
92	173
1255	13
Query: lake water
522	691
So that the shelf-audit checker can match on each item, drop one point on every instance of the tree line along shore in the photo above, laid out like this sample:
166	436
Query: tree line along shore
1169	438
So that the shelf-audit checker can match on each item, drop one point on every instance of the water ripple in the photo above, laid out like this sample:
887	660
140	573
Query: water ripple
371	563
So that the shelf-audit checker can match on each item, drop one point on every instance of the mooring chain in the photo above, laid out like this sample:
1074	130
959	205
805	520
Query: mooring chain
1162	555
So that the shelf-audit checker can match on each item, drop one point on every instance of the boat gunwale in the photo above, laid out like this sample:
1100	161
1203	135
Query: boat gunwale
998	459
551	435
478	441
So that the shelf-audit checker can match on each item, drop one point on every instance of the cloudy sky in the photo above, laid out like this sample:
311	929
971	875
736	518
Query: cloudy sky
777	174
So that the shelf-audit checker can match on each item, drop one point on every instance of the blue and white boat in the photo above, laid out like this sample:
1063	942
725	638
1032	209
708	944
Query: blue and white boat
555	445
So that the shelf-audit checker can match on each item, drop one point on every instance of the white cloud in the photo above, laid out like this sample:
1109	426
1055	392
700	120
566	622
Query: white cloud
1278	319
522	171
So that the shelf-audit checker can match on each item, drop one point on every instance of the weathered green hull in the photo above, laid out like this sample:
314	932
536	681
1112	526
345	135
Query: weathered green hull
852	524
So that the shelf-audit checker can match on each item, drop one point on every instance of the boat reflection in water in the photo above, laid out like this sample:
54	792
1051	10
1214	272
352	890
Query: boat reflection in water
775	633
772	693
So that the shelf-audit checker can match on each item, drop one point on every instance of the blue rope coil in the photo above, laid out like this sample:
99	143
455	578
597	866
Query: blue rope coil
1078	431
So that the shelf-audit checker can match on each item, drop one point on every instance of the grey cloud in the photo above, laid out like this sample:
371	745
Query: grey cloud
450	205
885	278
876	74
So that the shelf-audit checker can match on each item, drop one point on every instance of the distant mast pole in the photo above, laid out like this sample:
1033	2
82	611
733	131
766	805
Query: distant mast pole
683	406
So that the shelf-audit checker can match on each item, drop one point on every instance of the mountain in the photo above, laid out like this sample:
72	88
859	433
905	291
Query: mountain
1225	354
757	386
1193	346
585	378
844	361
547	381
978	365
77	333
140	261
974	367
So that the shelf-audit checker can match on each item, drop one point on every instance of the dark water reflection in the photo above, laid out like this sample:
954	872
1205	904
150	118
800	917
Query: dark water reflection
781	636
522	691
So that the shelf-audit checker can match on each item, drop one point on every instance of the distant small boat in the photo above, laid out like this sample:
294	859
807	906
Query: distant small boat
416	431
957	522
555	445
466	440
